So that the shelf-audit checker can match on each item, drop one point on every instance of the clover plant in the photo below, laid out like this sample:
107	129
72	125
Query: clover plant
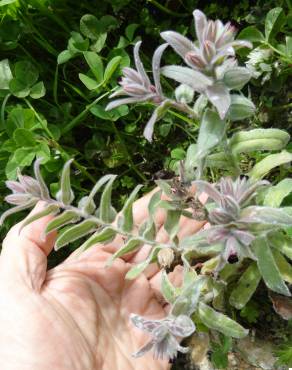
247	239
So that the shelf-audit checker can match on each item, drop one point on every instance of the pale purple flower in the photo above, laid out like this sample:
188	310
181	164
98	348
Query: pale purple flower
165	335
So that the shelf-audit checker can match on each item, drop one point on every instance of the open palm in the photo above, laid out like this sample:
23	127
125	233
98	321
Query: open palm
76	315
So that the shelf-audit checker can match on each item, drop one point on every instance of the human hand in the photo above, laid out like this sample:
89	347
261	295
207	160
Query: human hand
76	315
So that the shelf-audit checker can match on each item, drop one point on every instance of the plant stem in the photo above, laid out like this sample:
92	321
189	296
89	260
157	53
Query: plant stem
3	106
75	121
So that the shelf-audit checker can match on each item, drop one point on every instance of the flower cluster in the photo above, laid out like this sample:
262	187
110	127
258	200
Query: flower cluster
165	332
233	219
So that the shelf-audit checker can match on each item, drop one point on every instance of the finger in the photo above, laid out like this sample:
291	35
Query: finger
24	253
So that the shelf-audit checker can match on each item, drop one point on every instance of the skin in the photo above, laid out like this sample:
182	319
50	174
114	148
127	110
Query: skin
76	315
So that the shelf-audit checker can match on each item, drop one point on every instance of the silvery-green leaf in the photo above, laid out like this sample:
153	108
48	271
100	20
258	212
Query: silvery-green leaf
184	75
188	299
283	265
236	78
104	236
16	209
156	67
139	64
218	160
208	188
106	211
240	108
50	209
135	99
217	321
45	194
168	290
245	287
76	232
178	42
281	242
268	267
182	326
276	194
263	167
125	220
67	217
258	139
200	24
184	94
219	96
212	130
165	187
87	205
171	224
131	245
149	231
65	194
191	162
200	105
265	215
158	113
136	270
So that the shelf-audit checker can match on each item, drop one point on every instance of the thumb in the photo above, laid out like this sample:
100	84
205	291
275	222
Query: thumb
24	253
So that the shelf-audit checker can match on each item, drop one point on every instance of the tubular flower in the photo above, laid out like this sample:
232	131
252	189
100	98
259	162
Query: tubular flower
164	342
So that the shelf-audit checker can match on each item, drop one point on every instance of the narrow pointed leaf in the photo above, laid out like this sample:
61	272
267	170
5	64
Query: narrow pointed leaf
16	209
45	194
106	210
76	232
66	194
156	67
263	167
184	75
268	267
178	42
212	130
131	245
140	267
245	287
168	290
284	266
219	96
100	236
111	67
149	232
157	114
171	224
125	220
217	321
139	64
274	21
266	215
63	219
50	209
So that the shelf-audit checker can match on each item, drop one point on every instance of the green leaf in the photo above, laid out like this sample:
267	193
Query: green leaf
171	224
26	73
283	265
130	30
64	56
7	2
5	74
259	139
245	287
211	132
66	195
67	217
99	44
274	21
168	290
131	245
136	270
24	138
76	232
217	321
89	82
288	46
101	236
95	64
276	194
125	220
111	68
106	211
240	108
18	88
50	209
263	167
281	242
90	26
251	33
24	156
45	194
38	90
268	267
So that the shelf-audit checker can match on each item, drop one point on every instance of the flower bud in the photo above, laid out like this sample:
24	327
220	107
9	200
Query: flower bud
184	94
165	257
195	60
236	77
240	108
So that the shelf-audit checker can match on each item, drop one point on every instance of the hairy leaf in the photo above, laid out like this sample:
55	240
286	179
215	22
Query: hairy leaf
125	220
140	267
276	194
50	209
66	195
131	245
104	236
68	216
106	211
